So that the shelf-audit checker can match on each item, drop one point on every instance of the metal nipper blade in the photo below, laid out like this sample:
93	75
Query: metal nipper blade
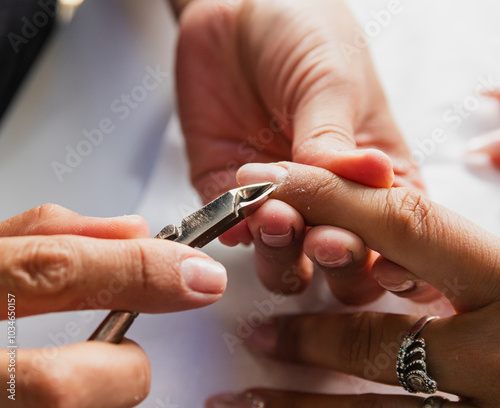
215	218
196	230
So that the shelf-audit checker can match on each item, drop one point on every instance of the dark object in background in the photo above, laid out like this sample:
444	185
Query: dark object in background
25	26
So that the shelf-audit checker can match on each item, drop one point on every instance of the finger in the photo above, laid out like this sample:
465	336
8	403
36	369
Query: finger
266	398
346	263
374	155
61	272
402	282
367	344
50	219
73	376
493	94
278	233
239	234
485	148
437	245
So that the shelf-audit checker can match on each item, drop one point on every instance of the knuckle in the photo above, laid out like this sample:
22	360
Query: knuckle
410	213
147	266
141	263
291	338
356	344
335	133
325	191
41	213
27	222
44	266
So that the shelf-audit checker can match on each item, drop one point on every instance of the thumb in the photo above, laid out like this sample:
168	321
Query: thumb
324	137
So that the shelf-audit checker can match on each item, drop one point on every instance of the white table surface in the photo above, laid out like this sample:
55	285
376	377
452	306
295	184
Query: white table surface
430	56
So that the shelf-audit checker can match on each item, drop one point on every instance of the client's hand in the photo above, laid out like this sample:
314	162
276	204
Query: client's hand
43	271
437	246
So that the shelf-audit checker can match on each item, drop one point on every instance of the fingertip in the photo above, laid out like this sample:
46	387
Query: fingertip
481	151
333	247
204	275
176	277
239	234
370	167
392	277
129	226
402	283
345	261
276	224
278	230
252	173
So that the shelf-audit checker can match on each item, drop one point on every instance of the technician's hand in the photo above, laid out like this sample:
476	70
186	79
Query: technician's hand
47	272
438	246
266	80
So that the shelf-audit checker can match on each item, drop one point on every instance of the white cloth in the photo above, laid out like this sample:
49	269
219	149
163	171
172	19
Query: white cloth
430	57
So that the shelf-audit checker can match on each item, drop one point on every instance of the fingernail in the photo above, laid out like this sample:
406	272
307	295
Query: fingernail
246	400
332	260
204	275
259	172
264	338
398	287
277	240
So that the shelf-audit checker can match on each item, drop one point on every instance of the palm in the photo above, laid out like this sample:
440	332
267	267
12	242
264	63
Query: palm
224	120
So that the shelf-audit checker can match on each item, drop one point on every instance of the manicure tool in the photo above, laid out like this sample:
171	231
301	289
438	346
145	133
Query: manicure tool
196	230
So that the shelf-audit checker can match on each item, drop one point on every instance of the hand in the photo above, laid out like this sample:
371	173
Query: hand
265	80
437	246
45	271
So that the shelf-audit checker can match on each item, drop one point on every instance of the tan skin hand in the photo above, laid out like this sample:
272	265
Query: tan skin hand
52	259
438	246
265	80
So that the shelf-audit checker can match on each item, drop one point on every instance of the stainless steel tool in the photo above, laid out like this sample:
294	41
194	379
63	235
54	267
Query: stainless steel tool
196	230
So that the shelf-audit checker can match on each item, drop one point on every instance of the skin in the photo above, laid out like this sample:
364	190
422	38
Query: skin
52	259
244	69
486	146
266	80
435	244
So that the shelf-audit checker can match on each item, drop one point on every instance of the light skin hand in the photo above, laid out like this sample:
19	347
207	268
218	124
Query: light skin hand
437	245
52	259
262	81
